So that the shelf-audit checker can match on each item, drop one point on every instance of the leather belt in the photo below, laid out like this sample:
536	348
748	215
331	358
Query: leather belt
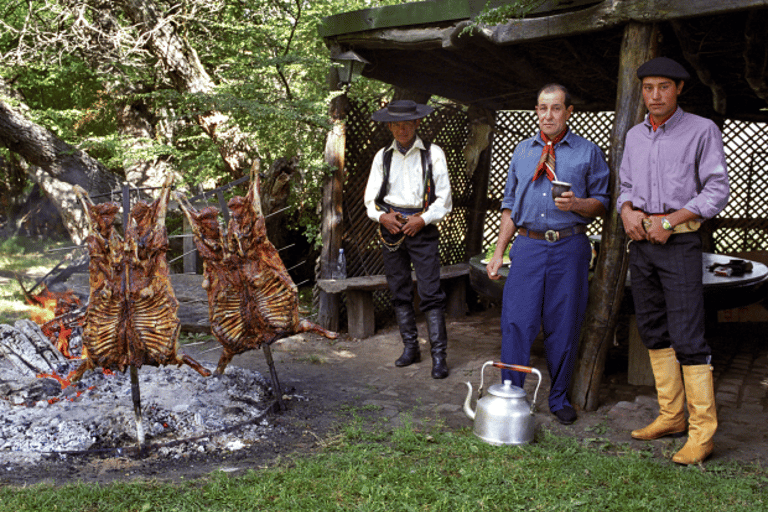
553	235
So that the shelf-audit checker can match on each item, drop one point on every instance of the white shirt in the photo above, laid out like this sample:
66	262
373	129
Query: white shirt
406	182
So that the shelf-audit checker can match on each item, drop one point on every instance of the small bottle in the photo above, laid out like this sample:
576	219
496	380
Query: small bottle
341	266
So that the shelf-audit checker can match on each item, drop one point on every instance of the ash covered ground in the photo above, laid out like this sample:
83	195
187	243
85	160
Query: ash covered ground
182	412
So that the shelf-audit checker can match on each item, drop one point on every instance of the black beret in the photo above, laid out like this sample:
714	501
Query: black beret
663	66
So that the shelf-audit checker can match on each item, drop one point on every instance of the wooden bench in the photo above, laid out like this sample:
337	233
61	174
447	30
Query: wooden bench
359	292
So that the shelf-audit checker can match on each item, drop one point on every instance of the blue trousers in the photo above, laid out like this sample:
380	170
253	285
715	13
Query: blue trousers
547	289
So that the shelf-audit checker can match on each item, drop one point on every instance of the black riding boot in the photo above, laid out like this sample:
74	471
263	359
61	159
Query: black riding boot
406	320
439	340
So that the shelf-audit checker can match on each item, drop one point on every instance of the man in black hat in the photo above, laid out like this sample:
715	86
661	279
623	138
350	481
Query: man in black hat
673	175
408	194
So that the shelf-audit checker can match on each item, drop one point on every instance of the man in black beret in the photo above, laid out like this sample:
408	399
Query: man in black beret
673	176
408	194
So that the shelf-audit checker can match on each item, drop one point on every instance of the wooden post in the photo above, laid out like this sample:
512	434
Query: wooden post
333	195
607	287
476	219
189	248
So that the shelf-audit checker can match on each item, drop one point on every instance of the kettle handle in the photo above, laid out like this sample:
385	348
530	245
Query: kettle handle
513	367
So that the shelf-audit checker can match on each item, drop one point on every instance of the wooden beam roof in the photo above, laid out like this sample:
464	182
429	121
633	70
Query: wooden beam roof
723	44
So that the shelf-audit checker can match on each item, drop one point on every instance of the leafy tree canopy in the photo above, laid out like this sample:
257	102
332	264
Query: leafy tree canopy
80	65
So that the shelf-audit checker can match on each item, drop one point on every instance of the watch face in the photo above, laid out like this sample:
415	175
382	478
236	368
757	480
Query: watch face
666	225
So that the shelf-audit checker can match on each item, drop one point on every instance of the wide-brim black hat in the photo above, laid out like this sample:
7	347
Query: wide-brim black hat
663	66
402	110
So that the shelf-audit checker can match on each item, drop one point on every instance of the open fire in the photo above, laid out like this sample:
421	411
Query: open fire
43	414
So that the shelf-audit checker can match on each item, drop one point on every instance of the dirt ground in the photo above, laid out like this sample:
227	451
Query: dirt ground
329	382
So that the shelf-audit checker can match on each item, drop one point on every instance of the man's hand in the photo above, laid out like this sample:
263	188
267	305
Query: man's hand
656	234
391	222
414	225
493	266
633	223
586	207
567	201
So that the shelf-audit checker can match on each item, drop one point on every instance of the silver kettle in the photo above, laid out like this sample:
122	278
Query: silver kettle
504	416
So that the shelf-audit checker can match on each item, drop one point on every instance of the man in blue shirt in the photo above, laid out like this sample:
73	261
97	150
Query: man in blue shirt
548	275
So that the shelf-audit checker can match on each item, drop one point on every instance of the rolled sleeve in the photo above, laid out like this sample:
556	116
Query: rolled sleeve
712	176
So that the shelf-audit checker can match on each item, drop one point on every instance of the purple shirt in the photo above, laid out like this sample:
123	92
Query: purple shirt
680	165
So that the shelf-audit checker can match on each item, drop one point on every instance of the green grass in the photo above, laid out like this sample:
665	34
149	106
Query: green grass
25	257
407	469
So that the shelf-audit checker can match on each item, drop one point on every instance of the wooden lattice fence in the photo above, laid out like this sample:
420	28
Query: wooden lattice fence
742	226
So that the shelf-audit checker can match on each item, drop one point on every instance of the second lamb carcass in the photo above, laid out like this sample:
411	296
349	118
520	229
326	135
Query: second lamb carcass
252	299
132	310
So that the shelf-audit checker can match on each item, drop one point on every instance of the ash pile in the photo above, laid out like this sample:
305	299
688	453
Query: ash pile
43	415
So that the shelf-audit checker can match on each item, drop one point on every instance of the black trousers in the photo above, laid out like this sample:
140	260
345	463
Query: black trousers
420	250
668	294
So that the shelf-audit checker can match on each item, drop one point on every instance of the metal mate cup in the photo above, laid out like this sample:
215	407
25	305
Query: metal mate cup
558	187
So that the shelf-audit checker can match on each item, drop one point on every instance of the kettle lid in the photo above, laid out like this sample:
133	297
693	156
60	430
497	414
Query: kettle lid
506	390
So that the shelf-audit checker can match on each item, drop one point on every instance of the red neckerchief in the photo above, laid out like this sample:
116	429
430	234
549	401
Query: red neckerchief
547	160
656	126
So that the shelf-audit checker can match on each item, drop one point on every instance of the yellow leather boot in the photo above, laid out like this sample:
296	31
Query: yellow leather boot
669	389
702	415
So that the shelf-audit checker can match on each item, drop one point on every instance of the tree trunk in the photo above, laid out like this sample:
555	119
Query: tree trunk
185	70
332	214
607	287
56	166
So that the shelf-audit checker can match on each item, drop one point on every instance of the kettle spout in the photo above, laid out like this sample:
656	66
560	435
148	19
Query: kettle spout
468	403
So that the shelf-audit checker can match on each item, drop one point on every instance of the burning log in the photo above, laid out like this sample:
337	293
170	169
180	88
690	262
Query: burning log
132	310
252	300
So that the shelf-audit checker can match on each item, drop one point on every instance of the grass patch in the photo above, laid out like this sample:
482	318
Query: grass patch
407	469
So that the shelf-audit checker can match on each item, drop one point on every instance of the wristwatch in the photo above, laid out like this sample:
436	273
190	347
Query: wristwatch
666	225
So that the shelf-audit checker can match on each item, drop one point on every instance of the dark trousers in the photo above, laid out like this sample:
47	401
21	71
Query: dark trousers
668	294
421	251
547	289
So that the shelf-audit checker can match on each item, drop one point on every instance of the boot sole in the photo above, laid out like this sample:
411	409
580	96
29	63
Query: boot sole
673	435
408	363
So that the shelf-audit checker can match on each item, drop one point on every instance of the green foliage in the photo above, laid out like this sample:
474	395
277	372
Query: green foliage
268	65
508	10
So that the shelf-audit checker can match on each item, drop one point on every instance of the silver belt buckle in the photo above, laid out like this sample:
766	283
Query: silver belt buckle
551	235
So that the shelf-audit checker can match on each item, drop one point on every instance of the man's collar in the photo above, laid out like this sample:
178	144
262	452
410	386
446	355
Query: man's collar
540	140
669	123
417	143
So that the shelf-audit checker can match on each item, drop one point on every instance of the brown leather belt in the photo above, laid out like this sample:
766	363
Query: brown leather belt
552	235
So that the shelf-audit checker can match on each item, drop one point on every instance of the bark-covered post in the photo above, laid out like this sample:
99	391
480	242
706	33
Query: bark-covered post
333	195
479	180
607	287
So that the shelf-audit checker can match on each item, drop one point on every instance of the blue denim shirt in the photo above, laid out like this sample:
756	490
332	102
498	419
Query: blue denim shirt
577	161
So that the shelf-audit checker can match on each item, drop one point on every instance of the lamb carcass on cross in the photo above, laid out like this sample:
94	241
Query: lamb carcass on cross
252	299
132	309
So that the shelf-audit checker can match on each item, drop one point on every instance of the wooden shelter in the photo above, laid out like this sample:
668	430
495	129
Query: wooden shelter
592	47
